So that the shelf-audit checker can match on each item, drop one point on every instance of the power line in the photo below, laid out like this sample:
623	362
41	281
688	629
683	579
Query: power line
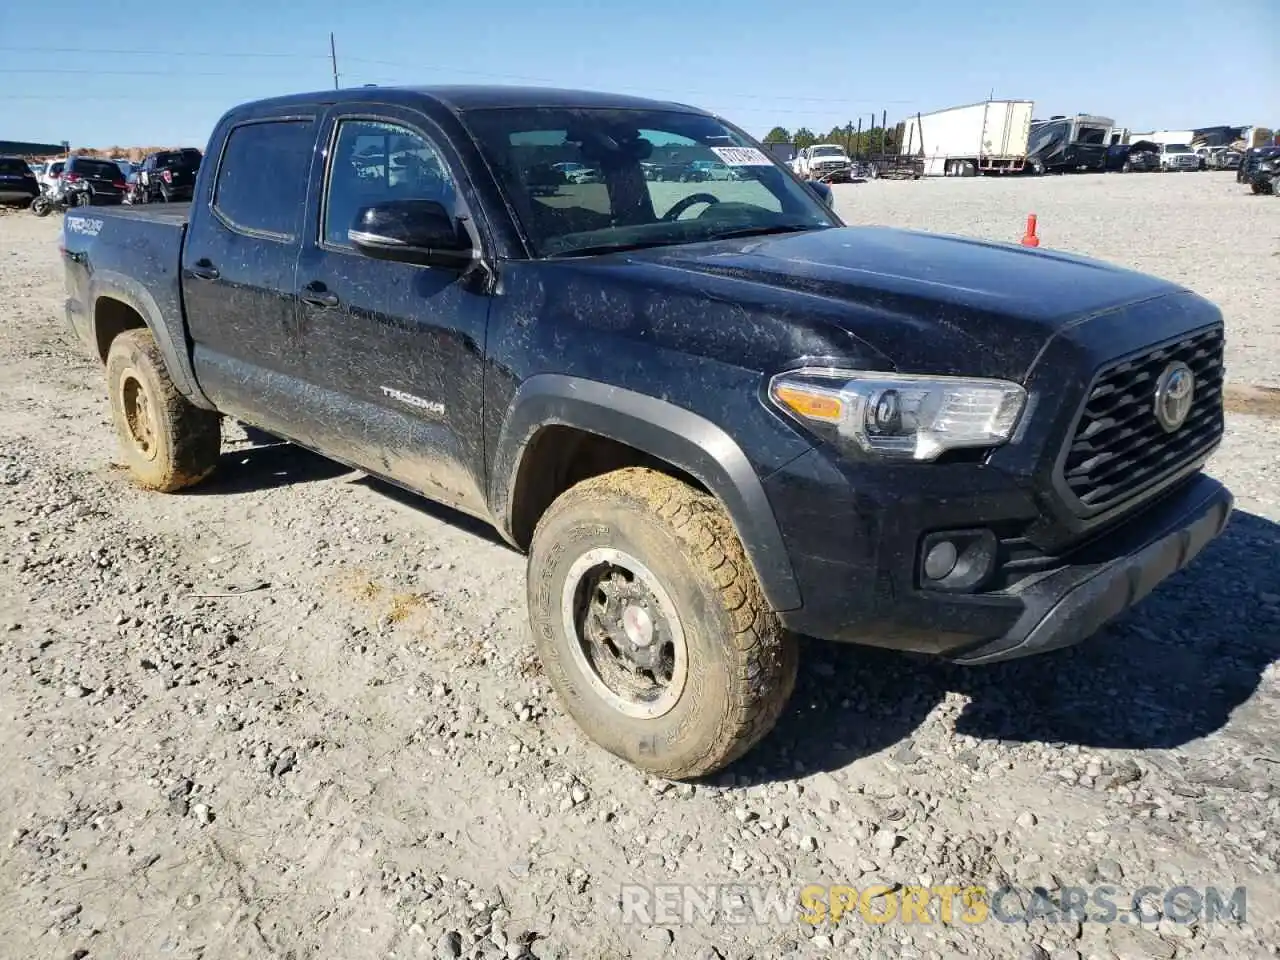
332	57
138	73
161	53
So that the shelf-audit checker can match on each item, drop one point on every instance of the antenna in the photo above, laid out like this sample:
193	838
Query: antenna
333	58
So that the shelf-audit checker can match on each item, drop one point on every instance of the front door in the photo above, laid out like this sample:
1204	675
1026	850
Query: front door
395	350
238	266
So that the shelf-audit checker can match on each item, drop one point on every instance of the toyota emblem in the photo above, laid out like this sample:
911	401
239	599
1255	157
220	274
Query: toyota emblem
1174	392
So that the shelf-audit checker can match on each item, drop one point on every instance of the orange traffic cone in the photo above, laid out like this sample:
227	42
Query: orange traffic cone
1029	239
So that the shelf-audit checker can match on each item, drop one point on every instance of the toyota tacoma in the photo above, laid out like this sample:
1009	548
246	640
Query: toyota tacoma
714	417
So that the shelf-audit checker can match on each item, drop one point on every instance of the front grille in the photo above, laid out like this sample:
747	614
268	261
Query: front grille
1119	447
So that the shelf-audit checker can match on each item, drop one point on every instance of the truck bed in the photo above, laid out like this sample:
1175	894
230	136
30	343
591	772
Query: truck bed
133	255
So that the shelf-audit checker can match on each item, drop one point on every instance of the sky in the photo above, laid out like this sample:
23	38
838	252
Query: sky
137	72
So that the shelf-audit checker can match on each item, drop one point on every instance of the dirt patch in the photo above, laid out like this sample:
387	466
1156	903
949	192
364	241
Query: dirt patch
1252	400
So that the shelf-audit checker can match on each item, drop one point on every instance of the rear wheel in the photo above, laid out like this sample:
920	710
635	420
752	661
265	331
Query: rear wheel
41	206
651	626
166	194
168	442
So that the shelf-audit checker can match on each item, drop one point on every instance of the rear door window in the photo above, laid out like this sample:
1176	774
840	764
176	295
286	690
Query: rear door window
262	177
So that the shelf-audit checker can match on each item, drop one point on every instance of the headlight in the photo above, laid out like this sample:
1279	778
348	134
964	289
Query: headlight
900	415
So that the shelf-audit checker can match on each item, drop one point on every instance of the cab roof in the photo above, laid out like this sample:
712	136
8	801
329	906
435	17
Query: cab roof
463	98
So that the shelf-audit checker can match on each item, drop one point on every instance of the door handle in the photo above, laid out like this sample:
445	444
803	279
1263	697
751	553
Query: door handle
316	294
204	270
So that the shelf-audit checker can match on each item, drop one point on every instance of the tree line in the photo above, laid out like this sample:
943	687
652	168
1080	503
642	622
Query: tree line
870	140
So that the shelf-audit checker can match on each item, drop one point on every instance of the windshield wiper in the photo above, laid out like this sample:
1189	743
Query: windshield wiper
765	231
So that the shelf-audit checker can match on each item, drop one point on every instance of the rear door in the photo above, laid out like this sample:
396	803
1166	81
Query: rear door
395	350
238	265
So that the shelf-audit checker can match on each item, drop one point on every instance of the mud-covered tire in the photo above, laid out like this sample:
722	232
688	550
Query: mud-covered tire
168	443
740	663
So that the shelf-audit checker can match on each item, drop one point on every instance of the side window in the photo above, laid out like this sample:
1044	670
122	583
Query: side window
262	176
374	162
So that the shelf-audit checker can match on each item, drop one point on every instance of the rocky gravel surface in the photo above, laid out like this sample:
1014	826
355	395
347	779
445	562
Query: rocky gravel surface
296	713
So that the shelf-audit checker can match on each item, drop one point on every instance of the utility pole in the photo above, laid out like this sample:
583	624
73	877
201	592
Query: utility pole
333	58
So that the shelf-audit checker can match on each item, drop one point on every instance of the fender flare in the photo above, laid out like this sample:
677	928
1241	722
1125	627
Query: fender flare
684	439
111	285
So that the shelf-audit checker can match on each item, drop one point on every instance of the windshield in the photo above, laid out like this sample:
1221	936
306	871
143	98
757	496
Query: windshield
1177	148
826	152
593	180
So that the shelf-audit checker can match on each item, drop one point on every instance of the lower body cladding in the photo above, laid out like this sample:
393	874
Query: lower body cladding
932	571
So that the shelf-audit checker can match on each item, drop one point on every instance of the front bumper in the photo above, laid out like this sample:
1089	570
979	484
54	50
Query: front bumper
1072	604
859	577
854	540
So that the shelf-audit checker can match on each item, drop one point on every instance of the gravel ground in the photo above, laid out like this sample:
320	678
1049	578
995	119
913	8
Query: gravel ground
296	713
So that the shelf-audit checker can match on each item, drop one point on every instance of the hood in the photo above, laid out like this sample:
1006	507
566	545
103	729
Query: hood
930	303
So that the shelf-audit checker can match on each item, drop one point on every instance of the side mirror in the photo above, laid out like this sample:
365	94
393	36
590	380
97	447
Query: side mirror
822	191
412	231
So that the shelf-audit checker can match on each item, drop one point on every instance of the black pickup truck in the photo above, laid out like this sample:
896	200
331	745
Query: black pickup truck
713	416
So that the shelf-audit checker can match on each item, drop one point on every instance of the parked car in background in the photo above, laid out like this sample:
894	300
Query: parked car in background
103	179
700	170
575	172
1143	157
51	173
18	185
1249	162
1133	157
1265	176
820	159
1175	157
169	175
1226	160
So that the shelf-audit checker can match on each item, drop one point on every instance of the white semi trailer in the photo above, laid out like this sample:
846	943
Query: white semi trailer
986	137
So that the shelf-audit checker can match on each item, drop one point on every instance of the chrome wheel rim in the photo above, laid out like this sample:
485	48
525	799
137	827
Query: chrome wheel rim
624	633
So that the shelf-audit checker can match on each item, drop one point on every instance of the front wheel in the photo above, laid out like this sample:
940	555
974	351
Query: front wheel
651	626
41	206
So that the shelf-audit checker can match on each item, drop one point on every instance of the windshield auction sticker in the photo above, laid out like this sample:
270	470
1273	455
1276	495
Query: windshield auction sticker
742	156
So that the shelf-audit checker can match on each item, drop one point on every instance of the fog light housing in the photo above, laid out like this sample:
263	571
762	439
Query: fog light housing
957	561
